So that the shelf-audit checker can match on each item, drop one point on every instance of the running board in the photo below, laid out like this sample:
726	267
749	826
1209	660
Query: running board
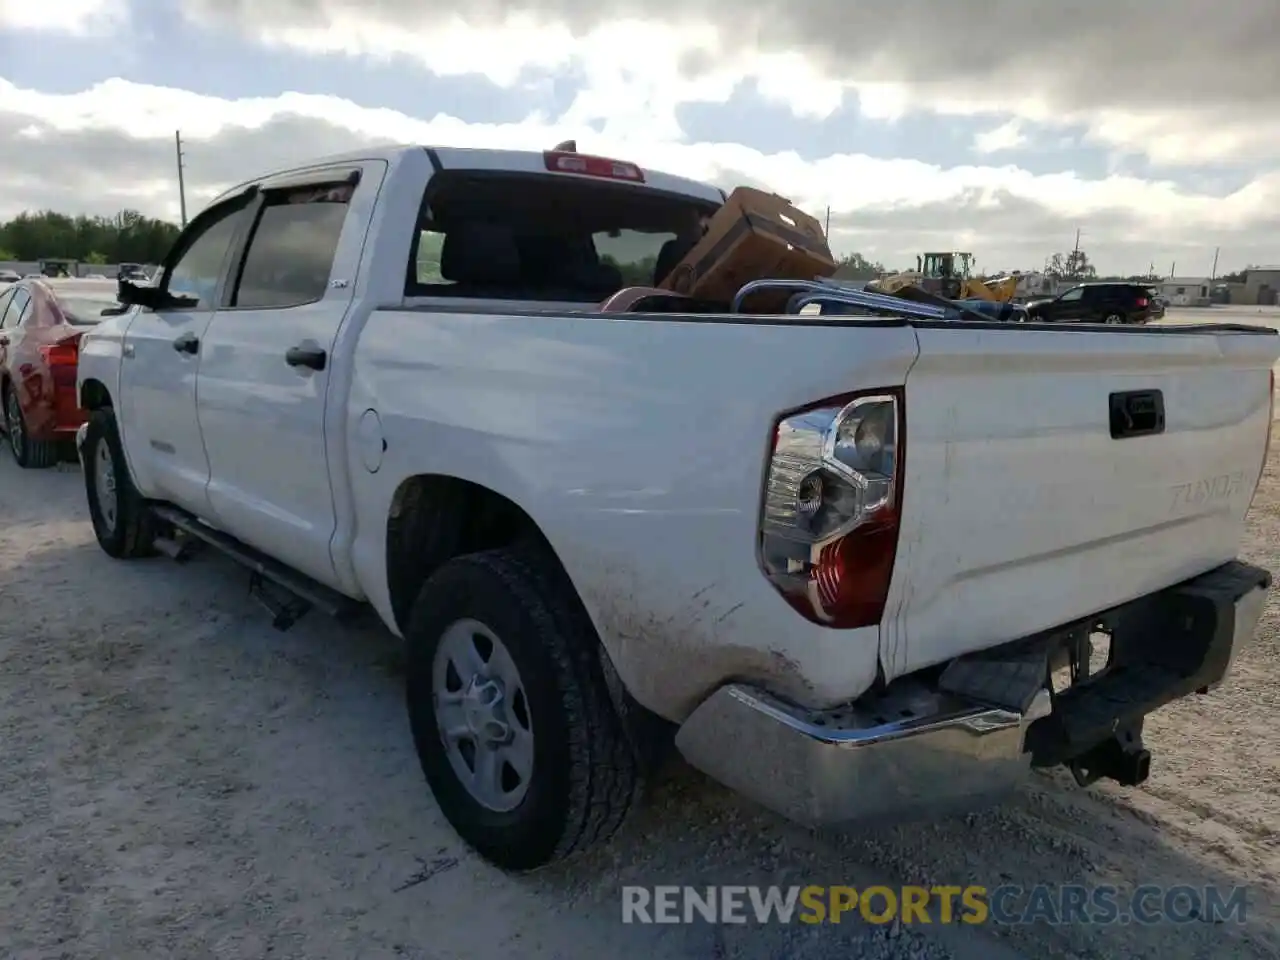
301	592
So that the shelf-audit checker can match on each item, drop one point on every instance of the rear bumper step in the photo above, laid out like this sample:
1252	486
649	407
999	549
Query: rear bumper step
1163	647
913	751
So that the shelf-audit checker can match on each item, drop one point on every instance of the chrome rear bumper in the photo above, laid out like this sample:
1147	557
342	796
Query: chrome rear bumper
919	753
973	735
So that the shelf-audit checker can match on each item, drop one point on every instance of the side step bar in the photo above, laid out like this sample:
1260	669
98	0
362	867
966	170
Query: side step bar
303	593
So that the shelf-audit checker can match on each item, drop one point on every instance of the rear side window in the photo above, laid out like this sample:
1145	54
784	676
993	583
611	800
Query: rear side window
291	252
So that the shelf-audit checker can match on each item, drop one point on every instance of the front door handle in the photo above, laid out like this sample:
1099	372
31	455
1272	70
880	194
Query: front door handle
304	356
187	343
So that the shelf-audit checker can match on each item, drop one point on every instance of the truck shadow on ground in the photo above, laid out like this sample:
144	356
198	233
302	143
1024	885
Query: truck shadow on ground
305	732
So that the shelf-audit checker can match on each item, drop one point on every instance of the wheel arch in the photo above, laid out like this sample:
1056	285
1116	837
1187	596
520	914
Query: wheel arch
436	517
94	395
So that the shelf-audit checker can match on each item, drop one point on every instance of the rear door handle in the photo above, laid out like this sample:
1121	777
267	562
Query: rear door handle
187	343
304	356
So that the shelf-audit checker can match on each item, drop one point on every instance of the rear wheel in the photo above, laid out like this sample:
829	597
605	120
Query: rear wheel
1113	318
122	522
27	452
511	714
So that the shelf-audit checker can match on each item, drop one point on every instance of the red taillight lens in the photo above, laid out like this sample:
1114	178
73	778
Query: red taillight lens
60	354
62	359
564	162
1142	302
833	492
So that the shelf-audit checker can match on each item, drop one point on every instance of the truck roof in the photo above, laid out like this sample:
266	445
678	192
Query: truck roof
514	161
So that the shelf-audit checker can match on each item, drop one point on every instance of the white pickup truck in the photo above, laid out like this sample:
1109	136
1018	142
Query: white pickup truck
838	560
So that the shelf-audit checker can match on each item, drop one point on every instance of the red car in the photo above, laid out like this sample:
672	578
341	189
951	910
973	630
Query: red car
41	322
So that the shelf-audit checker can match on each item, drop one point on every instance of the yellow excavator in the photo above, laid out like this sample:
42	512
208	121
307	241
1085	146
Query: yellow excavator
948	275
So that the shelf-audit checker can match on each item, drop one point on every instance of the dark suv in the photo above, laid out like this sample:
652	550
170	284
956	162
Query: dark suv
1096	303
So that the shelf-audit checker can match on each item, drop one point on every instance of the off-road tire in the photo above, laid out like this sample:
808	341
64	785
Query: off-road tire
134	532
586	775
29	454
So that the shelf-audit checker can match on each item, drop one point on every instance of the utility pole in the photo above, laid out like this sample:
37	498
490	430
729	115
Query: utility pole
1214	275
182	186
827	228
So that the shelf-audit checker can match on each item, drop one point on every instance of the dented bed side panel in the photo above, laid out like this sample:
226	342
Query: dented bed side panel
639	449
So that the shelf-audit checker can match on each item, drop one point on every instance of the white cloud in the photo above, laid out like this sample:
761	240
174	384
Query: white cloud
1198	83
114	142
1007	136
77	17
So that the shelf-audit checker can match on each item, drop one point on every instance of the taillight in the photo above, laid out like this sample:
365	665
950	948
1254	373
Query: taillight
60	354
833	492
566	162
62	359
1142	302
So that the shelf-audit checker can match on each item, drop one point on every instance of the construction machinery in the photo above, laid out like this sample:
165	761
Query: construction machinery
948	274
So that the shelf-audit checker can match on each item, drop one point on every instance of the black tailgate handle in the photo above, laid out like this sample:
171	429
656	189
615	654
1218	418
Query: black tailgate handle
1137	413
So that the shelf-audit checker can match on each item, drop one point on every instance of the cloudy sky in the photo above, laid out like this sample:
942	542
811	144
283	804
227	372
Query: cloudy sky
999	127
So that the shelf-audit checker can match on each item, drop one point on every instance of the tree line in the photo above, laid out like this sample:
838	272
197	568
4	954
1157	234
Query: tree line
127	237
130	237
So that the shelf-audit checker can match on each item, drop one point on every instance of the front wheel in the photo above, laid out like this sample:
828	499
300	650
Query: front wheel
122	522
511	715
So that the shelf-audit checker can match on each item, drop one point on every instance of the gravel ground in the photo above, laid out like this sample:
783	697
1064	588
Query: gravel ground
178	780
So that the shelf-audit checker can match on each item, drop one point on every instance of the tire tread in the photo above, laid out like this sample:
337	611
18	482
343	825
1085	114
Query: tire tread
605	776
135	532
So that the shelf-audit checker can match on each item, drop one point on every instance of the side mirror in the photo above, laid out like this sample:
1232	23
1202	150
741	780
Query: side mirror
132	294
144	295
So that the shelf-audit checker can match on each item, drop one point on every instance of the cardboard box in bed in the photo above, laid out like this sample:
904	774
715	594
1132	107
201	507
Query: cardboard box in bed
755	235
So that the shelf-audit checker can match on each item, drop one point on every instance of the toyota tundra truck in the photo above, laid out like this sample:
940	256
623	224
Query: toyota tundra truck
850	562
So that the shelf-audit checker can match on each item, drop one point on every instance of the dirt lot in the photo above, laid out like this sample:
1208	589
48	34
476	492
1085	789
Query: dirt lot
177	780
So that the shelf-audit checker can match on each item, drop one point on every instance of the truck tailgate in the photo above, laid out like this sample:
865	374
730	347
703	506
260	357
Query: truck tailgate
1022	512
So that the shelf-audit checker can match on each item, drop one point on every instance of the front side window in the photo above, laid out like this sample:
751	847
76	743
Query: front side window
293	247
196	272
1073	294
